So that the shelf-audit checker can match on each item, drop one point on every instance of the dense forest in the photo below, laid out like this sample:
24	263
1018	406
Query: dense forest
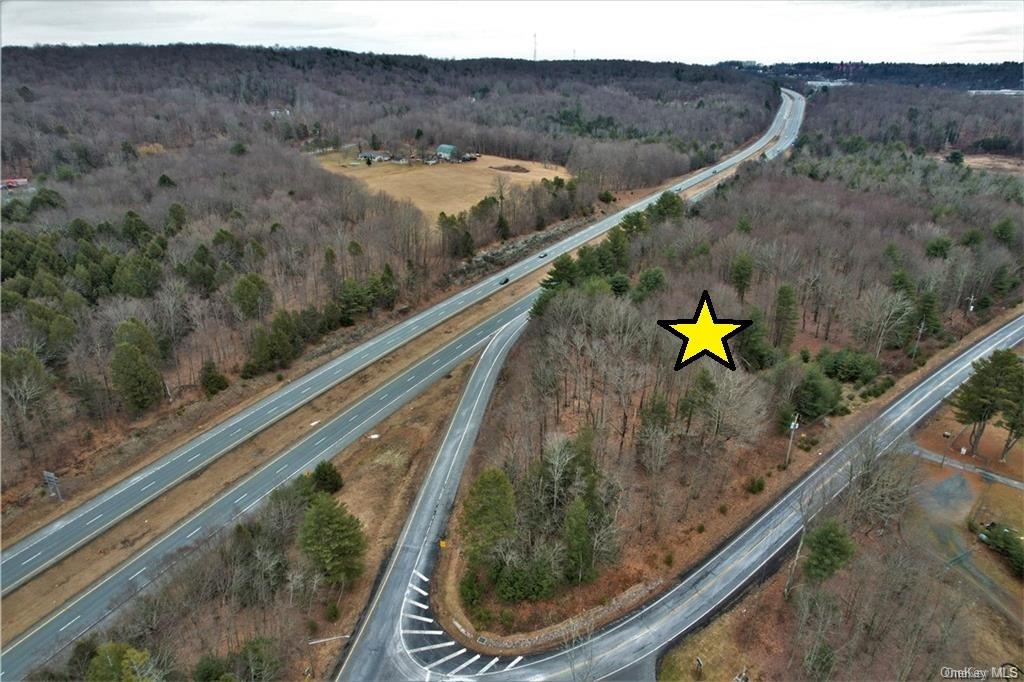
74	107
875	259
175	236
924	119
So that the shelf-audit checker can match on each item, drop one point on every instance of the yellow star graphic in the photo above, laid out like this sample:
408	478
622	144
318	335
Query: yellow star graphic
704	334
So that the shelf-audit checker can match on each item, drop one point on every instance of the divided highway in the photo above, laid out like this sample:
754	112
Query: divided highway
58	539
87	609
401	639
28	557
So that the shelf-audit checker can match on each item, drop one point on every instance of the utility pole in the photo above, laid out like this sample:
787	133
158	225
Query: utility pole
794	425
970	301
917	344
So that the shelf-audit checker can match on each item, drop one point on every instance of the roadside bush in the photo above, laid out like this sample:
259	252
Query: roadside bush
817	395
212	381
830	547
606	197
470	589
848	365
327	478
754	485
878	388
1006	542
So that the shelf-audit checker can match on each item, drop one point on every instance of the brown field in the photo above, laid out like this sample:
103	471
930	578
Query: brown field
448	187
992	162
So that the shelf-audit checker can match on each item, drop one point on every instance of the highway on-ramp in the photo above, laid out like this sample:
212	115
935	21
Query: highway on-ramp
71	620
401	639
51	543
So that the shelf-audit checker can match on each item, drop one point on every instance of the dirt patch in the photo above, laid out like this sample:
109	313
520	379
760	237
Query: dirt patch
650	565
991	162
511	169
448	187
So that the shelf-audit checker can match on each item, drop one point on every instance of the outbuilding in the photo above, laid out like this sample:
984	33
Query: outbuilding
448	152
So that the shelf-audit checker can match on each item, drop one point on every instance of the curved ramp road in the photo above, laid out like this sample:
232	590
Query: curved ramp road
56	540
74	618
401	639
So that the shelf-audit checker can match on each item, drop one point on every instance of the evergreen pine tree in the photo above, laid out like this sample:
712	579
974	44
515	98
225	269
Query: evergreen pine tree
333	539
784	318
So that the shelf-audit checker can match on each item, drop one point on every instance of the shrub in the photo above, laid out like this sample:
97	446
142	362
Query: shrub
507	619
212	381
817	395
723	509
830	547
849	365
332	613
327	478
700	527
1005	541
606	197
470	589
754	485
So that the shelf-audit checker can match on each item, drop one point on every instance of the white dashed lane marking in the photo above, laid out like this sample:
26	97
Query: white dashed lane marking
69	623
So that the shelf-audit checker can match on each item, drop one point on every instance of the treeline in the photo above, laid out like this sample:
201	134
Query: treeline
878	285
234	609
516	210
1004	76
923	119
634	123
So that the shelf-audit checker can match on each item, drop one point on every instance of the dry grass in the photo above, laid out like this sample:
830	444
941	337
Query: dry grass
991	162
448	187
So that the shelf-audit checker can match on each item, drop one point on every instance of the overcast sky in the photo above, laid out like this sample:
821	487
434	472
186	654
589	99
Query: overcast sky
694	32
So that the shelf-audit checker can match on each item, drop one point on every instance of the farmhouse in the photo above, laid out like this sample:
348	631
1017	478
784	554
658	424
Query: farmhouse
448	152
375	155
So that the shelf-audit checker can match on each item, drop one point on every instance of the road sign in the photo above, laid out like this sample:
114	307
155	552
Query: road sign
50	480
